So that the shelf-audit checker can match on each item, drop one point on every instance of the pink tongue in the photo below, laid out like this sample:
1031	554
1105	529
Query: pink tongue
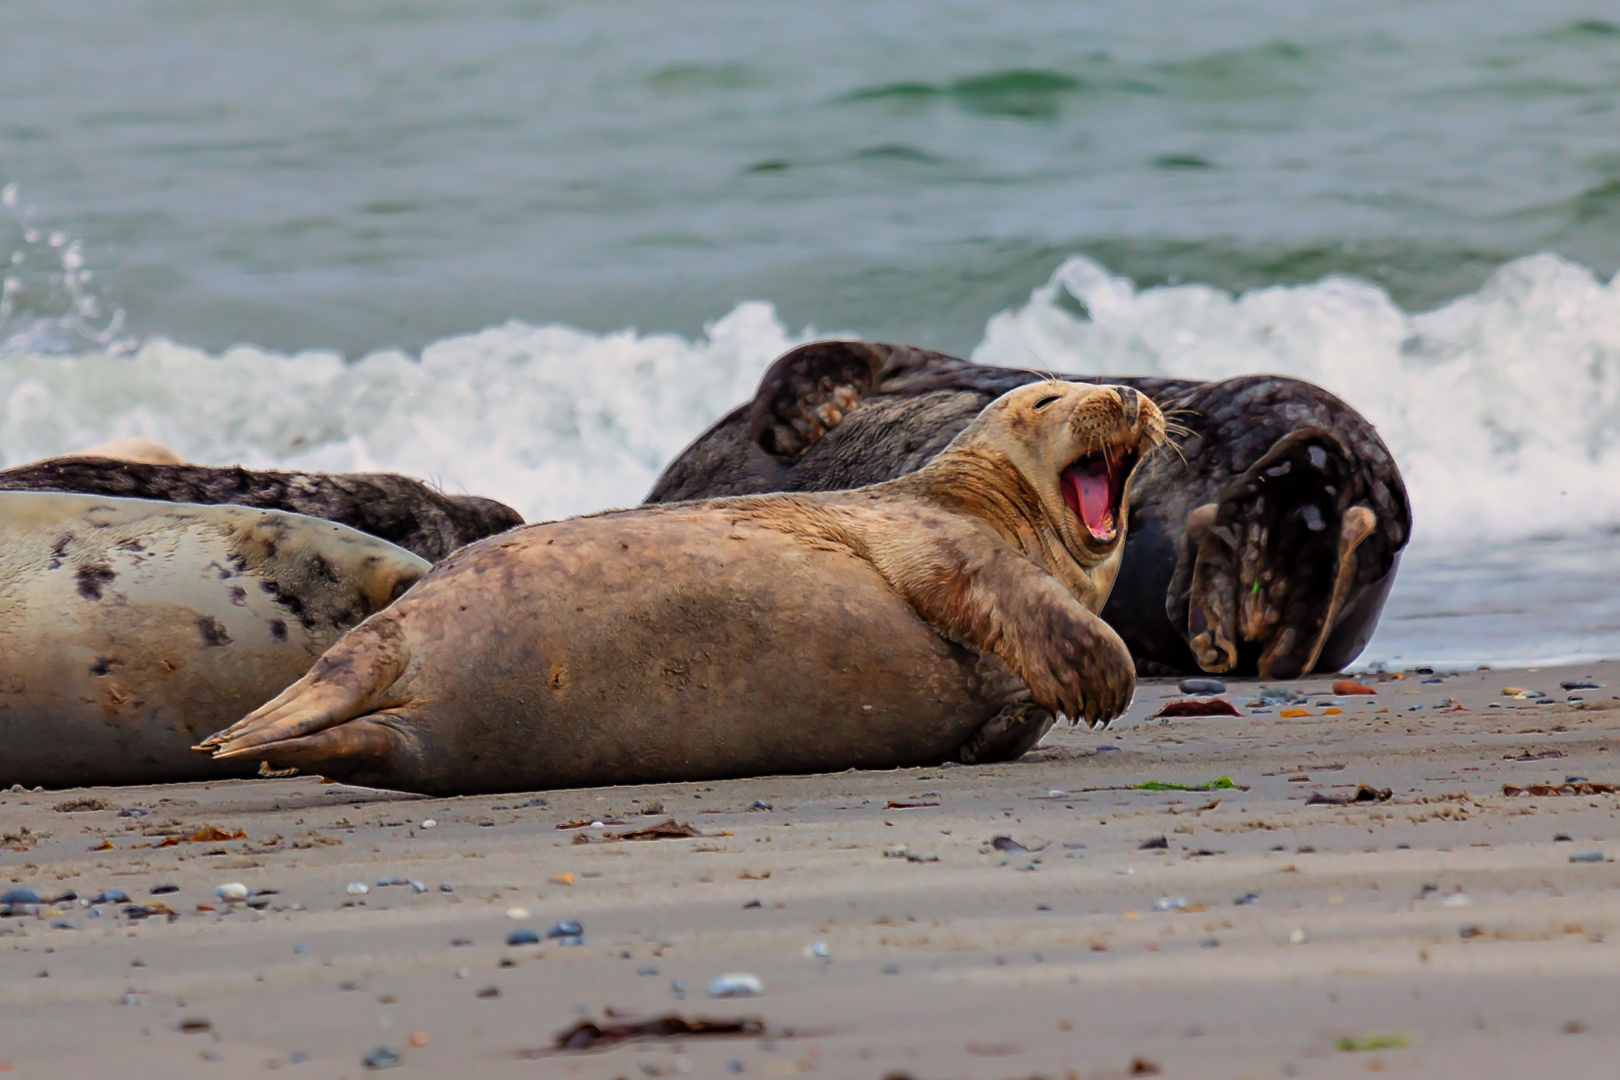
1090	490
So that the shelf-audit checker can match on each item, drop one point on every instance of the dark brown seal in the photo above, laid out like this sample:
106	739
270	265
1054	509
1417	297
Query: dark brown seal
1267	544
131	629
394	508
946	614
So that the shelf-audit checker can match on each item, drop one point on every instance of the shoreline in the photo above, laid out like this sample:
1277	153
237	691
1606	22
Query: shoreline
1444	932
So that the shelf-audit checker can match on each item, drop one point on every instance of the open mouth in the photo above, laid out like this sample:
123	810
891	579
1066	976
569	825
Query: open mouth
1094	486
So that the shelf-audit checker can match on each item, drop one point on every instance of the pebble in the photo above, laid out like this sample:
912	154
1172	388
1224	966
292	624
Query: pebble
1587	856
162	890
380	1058
520	913
646	969
488	992
1169	903
300	949
523	936
1456	899
110	896
891	969
231	891
1299	937
429	823
1202	686
736	984
19	896
356	888
817	948
566	928
418	887
385	882
678	987
445	886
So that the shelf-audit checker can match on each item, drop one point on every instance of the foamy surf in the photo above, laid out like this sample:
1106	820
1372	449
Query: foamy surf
1502	407
551	420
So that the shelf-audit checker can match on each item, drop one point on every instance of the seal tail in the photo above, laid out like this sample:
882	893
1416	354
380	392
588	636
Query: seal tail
316	718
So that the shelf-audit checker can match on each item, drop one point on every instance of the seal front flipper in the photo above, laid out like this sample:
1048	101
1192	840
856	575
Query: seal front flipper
808	390
1072	661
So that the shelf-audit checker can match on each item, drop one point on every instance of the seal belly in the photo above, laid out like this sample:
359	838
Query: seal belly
131	629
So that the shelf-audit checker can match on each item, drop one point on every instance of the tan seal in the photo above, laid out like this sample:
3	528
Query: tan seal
130	629
949	613
132	448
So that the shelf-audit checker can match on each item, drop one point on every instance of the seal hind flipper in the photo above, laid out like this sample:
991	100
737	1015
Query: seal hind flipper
1358	524
1270	566
365	745
1006	736
350	680
807	391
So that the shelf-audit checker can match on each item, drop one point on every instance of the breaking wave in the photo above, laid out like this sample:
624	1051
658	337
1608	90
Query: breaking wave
1502	406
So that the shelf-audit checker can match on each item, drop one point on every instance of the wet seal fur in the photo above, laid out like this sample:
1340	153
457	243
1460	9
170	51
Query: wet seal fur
948	614
1266	545
130	629
402	511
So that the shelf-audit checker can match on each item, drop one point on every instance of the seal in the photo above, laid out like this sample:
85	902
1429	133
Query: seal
132	448
945	614
1267	544
402	511
129	630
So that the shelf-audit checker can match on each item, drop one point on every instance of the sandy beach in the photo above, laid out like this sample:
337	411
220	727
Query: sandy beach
1247	931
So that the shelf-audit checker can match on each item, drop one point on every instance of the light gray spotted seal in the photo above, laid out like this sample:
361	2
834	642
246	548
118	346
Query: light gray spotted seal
131	629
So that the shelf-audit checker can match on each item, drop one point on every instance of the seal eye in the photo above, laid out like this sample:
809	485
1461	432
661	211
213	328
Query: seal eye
1045	401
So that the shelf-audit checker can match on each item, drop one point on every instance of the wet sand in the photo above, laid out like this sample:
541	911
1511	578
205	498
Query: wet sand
1450	929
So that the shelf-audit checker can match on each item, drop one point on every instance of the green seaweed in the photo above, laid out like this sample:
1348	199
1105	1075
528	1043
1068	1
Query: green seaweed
1220	783
1370	1042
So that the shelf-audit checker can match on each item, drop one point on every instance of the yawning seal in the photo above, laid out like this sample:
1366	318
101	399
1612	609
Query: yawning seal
949	613
1266	544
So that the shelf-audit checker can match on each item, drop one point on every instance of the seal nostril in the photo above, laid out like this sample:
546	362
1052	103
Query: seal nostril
1131	402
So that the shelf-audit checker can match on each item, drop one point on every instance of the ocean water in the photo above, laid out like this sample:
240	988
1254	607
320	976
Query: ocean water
530	249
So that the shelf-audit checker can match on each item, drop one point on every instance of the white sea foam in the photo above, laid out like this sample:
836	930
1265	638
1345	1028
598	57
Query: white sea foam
1502	407
552	420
